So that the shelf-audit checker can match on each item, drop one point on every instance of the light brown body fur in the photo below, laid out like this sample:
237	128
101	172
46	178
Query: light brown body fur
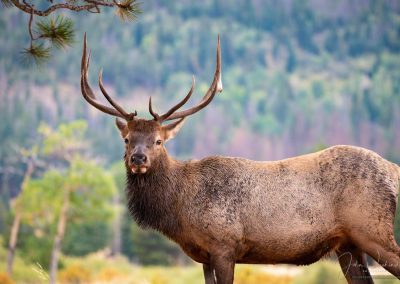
295	211
291	211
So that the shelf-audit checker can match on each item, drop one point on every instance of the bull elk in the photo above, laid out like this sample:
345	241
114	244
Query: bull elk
224	210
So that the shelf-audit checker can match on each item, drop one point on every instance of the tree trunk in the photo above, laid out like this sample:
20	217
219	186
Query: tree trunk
13	242
62	222
17	220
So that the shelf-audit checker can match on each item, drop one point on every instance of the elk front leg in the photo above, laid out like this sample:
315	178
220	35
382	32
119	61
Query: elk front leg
224	269
209	275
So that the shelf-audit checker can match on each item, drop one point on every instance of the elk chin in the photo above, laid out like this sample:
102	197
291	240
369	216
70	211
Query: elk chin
139	169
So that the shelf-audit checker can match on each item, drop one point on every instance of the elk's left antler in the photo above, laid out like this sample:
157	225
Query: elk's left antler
216	86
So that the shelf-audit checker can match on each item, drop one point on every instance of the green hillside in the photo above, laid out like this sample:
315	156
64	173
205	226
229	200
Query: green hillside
296	74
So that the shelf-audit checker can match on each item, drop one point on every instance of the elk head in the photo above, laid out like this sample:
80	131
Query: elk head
144	139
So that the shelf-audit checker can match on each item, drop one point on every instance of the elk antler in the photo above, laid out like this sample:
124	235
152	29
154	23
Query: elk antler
89	95
216	86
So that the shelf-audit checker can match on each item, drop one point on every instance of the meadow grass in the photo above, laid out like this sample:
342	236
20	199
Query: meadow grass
98	268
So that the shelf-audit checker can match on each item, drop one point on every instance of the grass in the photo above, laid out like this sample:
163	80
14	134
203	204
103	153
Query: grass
97	268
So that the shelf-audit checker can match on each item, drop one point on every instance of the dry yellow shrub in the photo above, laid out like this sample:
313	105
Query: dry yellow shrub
5	279
247	275
74	274
108	274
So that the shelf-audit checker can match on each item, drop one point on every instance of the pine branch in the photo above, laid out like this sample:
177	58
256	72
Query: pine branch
43	13
36	53
60	31
128	10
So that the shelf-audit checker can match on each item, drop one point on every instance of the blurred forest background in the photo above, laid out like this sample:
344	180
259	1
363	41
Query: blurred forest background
298	76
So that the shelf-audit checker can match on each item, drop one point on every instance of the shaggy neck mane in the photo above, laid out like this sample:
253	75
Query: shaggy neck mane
152	197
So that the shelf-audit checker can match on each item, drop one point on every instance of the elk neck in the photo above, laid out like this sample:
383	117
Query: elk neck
153	197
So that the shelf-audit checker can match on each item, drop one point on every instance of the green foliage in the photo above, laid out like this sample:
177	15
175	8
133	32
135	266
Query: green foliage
91	190
65	140
88	187
59	30
305	25
37	53
118	172
41	197
86	237
35	238
151	247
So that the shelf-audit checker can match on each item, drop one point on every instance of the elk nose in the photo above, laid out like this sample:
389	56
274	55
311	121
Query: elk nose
138	159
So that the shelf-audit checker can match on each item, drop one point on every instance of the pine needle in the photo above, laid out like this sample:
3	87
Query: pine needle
6	3
128	10
37	53
59	30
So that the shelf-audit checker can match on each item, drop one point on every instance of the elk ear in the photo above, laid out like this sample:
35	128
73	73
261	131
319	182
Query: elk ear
170	130
122	126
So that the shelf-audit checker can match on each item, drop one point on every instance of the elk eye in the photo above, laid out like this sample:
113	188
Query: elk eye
158	142
126	140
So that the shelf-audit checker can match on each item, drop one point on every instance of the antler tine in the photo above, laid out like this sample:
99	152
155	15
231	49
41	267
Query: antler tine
216	86
154	114
181	103
174	108
87	91
128	116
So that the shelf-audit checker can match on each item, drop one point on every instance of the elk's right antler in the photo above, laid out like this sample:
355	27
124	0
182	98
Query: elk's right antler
89	95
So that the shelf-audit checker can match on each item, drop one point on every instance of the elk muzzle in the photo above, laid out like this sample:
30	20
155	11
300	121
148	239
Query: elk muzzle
139	163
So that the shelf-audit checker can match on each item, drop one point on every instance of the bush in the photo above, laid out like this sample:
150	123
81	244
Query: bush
5	279
248	275
74	274
109	274
83	238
